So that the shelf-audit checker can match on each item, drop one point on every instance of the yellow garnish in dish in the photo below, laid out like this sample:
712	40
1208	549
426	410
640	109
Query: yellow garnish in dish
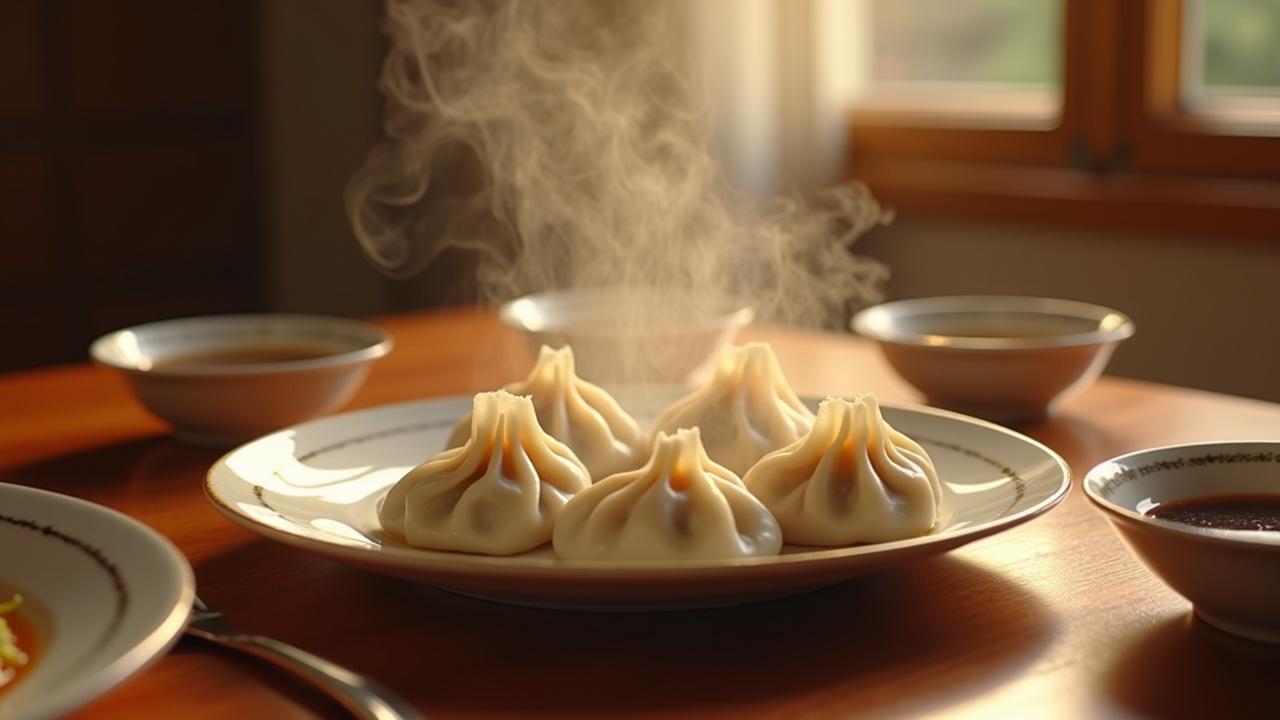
10	654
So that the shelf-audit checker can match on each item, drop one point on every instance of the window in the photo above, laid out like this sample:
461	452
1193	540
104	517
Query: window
1136	114
1231	61
988	61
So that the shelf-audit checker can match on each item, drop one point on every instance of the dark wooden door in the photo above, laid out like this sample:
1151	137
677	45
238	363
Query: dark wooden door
129	183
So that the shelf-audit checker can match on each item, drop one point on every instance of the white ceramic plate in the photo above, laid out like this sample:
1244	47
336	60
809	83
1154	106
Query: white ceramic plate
316	486
105	594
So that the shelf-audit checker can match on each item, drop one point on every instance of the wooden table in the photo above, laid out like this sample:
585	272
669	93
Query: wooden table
1053	618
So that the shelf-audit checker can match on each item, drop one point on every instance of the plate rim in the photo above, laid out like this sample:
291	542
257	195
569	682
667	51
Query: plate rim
148	648
476	565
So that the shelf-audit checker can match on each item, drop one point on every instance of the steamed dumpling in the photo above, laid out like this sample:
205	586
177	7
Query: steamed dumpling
498	494
679	506
745	410
852	479
577	413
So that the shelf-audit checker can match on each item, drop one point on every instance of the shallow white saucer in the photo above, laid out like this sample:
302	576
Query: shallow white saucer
105	594
316	487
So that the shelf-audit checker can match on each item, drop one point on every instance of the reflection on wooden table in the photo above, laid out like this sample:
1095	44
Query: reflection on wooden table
1053	618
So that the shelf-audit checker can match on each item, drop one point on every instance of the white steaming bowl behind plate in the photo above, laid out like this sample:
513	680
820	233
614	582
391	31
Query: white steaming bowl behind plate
648	335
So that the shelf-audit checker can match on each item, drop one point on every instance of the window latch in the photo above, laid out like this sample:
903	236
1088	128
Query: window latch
1082	158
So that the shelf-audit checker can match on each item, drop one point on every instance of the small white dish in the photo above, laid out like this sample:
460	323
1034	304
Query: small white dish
221	380
643	335
317	487
105	594
1231	577
1005	358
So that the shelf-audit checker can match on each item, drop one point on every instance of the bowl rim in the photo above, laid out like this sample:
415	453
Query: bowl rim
878	322
1266	540
376	343
164	629
508	313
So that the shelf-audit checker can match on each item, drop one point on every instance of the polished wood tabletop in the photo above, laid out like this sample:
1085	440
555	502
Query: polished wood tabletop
1053	618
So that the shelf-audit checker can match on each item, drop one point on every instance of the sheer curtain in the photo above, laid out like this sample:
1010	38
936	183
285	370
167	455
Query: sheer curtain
781	75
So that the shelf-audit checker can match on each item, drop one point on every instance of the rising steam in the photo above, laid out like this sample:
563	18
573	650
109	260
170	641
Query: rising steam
590	165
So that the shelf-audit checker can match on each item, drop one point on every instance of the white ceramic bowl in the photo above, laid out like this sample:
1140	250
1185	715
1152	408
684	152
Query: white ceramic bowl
1005	358
1232	577
105	595
319	363
634	336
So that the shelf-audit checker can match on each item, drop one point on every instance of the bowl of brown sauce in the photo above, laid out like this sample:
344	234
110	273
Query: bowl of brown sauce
1205	518
1007	358
225	379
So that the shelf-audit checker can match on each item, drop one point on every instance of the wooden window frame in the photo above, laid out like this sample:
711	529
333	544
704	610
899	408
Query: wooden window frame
1166	137
1123	155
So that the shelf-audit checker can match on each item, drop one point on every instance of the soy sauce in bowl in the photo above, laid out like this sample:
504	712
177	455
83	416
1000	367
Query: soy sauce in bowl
252	355
1224	512
226	379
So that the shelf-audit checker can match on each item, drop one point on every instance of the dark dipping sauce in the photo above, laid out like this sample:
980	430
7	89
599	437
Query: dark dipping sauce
1224	512
227	357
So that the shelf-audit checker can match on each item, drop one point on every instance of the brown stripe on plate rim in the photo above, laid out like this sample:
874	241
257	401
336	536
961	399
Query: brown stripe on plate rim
1019	484
259	491
95	554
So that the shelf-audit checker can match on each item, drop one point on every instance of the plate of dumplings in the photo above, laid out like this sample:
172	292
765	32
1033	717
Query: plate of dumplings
549	492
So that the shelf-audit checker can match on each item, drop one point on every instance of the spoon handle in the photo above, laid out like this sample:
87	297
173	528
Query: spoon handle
364	697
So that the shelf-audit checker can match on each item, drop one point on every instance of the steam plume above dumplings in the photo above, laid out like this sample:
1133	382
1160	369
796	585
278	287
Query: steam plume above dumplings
745	410
561	144
577	413
499	494
852	479
679	506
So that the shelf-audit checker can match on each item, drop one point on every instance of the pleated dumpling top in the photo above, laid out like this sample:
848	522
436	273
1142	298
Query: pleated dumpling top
577	413
499	493
852	479
745	410
679	506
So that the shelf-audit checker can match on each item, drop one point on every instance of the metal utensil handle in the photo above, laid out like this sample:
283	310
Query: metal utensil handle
364	697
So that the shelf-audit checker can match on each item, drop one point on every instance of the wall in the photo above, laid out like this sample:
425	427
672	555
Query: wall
128	161
1202	306
321	114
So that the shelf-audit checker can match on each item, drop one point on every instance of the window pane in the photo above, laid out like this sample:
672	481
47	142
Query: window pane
1232	56
967	41
981	58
